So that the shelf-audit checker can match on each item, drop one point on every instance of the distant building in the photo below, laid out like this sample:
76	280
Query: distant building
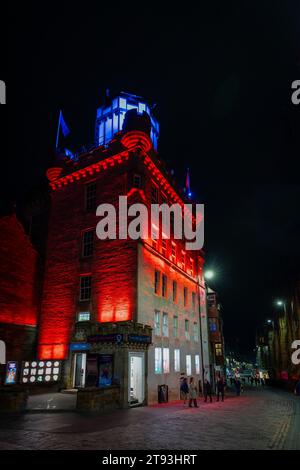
216	337
275	338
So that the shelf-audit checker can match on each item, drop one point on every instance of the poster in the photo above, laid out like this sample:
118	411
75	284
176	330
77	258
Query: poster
11	373
105	369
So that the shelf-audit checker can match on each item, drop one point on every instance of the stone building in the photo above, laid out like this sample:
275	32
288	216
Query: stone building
216	337
19	268
132	311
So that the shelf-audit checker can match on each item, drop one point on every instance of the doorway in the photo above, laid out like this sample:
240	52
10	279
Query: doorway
136	378
79	370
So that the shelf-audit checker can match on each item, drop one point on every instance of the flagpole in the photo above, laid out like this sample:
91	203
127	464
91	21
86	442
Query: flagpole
58	129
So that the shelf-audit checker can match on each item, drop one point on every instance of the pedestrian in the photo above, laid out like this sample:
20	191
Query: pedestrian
192	393
184	390
297	388
237	384
220	388
207	390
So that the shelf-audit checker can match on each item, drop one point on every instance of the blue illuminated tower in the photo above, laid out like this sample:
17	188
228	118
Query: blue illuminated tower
110	117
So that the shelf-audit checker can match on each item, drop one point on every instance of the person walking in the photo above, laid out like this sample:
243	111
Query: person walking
220	388
184	390
192	393
207	390
237	385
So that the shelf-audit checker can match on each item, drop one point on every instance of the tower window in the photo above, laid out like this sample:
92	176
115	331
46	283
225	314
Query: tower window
164	285
87	243
90	196
137	181
85	287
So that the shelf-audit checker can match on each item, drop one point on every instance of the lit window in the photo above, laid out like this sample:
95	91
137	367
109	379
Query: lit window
158	360
101	133
174	291
108	129
85	287
84	316
164	247
212	324
195	332
194	300
164	285
90	196
165	325
87	243
175	327
166	360
185	296
183	260
187	329
197	363
154	236
154	194
218	349
173	253
176	360
157	329
123	103
137	181
156	282
142	107
192	263
188	365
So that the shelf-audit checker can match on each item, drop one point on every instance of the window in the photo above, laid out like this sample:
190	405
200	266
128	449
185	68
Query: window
154	236
194	300
158	361
218	349
187	329
156	282
195	332
165	324
173	253
188	365
87	243
175	327
157	328
137	181
174	291
176	360
154	194
185	296
183	260
212	324
192	263
164	285
166	360
164	247
85	287
90	196
84	316
197	363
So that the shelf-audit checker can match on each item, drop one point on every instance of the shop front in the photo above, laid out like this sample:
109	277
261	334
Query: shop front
110	357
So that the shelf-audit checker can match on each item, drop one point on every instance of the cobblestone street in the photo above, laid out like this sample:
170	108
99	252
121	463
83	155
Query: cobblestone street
259	419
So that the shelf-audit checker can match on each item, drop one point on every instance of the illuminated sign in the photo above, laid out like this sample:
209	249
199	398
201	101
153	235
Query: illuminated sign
11	373
40	371
113	338
80	347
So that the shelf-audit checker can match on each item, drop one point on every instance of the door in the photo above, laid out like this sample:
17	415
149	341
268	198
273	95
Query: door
136	378
79	370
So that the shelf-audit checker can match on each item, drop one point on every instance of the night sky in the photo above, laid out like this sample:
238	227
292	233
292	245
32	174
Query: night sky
221	78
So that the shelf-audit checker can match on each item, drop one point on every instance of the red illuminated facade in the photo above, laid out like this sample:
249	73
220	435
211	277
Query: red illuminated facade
19	290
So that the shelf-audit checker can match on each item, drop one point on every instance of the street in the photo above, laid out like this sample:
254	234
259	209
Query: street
261	418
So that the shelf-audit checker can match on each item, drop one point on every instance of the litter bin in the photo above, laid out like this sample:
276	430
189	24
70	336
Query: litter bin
163	393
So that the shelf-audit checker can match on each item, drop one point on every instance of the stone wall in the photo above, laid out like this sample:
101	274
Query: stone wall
98	399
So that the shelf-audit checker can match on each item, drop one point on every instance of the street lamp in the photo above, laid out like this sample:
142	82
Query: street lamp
281	303
209	274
